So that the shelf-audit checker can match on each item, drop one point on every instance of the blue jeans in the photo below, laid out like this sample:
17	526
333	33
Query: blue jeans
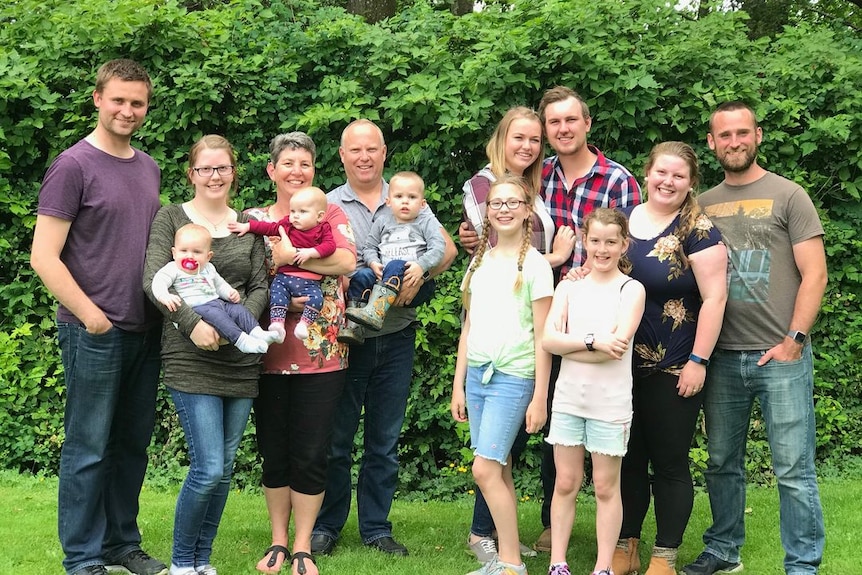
111	382
496	411
378	379
229	319
785	393
213	427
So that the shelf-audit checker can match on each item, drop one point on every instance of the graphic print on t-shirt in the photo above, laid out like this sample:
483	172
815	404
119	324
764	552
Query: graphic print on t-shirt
745	227
402	242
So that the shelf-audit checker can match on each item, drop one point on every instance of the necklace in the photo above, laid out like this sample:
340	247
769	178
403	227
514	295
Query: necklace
213	225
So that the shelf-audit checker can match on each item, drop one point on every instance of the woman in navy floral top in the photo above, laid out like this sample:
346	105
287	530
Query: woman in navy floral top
678	256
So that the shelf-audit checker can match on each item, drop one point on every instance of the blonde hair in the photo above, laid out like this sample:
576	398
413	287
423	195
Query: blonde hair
193	230
690	210
315	196
486	230
610	217
412	177
496	147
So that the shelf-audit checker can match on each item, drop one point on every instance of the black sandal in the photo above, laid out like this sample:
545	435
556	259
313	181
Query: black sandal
301	556
275	550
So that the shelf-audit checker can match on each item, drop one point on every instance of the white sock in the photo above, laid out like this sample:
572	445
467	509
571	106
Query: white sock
301	330
267	336
278	327
250	344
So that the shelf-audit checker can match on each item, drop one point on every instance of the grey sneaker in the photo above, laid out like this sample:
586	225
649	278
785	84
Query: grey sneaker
708	564
206	570
485	549
139	562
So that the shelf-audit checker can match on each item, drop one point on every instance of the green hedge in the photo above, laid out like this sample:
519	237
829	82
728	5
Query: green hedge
437	85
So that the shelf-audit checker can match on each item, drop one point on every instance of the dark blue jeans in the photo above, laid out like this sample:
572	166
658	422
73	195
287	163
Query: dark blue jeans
378	380
364	279
111	382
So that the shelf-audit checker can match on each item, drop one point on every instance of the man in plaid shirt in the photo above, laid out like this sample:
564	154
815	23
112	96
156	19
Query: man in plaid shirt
576	180
579	178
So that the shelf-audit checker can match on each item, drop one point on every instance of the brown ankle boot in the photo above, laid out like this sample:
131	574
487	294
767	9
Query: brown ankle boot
626	560
663	561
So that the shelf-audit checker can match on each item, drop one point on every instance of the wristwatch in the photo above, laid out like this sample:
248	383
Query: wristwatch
589	340
797	336
704	361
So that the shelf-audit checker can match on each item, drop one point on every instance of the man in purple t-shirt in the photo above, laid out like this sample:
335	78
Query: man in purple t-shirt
96	205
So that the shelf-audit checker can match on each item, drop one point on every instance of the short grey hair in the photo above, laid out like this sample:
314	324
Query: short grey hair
292	141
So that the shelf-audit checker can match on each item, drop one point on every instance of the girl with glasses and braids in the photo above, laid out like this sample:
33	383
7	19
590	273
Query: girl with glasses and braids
501	374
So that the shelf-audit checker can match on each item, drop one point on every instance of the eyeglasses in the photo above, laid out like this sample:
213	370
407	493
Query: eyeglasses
511	203
207	171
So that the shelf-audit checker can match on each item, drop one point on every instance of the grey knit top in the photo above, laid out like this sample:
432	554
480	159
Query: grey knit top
240	260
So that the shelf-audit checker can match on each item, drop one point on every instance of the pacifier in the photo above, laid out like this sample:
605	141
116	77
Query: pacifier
189	264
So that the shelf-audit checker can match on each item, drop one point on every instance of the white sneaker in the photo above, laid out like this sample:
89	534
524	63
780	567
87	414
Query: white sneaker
206	570
182	570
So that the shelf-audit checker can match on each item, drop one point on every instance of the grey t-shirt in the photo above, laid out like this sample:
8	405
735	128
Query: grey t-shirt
111	203
760	222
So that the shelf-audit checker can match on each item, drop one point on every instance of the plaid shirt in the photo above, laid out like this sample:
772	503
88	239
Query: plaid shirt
607	184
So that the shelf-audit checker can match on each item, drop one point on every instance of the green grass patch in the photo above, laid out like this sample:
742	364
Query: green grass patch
434	532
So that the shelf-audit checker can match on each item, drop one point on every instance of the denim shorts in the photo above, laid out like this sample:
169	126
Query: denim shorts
596	436
496	411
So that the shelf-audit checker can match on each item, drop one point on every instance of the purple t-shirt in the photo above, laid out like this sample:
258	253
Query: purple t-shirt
111	203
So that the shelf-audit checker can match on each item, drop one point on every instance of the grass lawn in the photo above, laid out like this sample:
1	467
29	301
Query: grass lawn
434	532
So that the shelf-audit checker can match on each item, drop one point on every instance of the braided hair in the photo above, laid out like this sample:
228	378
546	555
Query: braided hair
526	243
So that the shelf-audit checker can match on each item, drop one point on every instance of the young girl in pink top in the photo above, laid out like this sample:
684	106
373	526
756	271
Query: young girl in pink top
501	374
591	324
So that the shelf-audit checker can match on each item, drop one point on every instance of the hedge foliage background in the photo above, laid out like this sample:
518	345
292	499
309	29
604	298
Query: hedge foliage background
437	84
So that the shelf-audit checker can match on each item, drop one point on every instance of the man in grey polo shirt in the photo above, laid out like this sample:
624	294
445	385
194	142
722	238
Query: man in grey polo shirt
379	371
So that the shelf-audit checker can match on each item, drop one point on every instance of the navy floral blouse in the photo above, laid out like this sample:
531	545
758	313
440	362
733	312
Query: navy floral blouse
665	337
